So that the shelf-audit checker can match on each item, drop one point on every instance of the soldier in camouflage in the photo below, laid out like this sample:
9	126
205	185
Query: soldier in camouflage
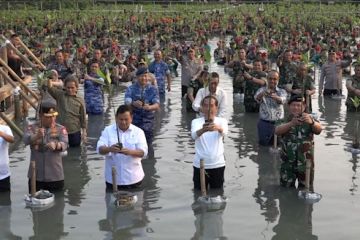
239	67
353	87
287	68
297	144
302	84
254	80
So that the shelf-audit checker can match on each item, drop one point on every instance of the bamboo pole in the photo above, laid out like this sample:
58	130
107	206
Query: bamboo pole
30	53
114	183
33	178
22	56
202	178
307	175
13	84
13	74
275	141
17	107
12	125
3	57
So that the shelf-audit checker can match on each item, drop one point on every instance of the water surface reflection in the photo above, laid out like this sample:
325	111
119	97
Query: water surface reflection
295	220
5	219
125	223
48	223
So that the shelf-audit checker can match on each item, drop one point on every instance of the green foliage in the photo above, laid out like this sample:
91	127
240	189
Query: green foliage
42	77
207	55
356	102
107	86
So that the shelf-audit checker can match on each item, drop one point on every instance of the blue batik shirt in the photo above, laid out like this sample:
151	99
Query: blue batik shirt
160	70
149	95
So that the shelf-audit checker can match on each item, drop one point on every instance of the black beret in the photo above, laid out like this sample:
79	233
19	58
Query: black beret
295	98
141	71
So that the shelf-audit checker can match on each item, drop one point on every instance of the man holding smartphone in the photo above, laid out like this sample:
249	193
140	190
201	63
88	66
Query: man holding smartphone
297	143
124	145
208	132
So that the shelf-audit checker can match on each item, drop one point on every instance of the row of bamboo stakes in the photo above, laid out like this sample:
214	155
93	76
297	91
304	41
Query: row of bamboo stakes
27	95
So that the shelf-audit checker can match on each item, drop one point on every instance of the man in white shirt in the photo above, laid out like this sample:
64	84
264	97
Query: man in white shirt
208	133
212	90
124	145
6	137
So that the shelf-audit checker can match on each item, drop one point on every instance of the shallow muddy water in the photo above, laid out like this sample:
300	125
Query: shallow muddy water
257	207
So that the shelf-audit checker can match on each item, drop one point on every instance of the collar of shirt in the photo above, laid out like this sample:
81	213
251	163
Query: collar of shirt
131	128
207	91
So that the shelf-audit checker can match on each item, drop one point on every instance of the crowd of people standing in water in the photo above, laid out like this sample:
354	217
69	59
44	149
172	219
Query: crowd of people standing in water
270	72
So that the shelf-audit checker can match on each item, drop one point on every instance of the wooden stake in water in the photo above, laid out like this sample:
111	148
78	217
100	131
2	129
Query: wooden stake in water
307	175
202	178
33	178
114	184
275	141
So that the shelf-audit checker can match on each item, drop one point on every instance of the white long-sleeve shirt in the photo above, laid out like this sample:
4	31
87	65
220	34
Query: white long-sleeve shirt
4	152
220	95
209	146
129	169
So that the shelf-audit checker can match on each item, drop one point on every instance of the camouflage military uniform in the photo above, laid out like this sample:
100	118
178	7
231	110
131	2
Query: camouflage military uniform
296	147
304	83
250	89
238	80
355	83
287	72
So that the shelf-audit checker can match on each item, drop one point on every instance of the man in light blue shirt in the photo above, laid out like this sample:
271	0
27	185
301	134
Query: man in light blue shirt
161	71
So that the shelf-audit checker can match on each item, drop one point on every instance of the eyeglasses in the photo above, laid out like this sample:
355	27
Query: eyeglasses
272	78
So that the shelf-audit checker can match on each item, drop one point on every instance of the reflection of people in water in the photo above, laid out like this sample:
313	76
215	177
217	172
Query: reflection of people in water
77	175
49	222
330	109
247	139
208	220
125	223
354	186
5	219
348	136
295	220
268	184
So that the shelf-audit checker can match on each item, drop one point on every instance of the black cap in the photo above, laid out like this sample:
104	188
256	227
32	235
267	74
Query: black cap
295	98
141	71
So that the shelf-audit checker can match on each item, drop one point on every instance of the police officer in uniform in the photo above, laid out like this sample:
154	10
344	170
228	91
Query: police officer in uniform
47	141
